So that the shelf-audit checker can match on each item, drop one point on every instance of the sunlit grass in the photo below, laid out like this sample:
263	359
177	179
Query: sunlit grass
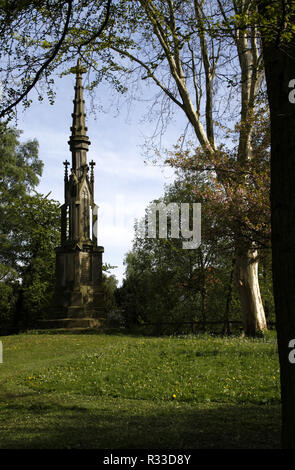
190	370
168	372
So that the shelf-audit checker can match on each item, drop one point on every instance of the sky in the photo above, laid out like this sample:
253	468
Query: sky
124	183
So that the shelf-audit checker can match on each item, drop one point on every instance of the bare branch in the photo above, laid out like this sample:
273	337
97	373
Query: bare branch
149	73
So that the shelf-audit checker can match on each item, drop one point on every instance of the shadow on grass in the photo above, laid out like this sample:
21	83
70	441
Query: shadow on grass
99	423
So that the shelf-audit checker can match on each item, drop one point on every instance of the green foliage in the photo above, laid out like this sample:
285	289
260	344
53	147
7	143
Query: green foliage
165	282
275	20
266	284
236	192
7	301
29	227
109	286
40	235
149	36
36	38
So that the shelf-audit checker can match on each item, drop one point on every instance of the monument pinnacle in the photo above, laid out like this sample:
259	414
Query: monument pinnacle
79	141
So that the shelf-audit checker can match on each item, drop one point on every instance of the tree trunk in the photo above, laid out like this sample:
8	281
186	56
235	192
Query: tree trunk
279	58
246	276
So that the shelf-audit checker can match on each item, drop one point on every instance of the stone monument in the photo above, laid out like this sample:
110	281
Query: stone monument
78	298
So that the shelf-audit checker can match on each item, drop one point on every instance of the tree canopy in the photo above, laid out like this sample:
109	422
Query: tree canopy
29	232
35	38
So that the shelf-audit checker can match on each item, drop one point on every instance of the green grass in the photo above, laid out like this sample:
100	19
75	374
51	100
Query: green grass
118	391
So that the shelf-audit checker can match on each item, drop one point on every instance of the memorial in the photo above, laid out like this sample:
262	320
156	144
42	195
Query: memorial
78	297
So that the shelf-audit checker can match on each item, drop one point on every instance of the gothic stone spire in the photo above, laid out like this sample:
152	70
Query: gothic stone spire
79	189
78	292
79	141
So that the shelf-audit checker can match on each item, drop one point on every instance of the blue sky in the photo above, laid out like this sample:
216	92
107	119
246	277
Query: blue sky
124	184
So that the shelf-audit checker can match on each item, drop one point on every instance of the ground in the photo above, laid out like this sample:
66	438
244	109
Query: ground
122	391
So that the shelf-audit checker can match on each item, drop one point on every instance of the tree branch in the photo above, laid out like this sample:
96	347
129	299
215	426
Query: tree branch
45	64
208	74
149	73
102	27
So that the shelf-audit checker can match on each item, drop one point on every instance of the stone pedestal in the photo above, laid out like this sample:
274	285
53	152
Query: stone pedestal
78	293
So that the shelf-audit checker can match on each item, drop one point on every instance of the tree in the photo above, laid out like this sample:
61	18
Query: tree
29	228
20	171
277	26
238	194
39	234
191	50
166	283
109	285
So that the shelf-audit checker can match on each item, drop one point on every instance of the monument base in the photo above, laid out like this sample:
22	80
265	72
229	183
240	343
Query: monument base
70	323
78	300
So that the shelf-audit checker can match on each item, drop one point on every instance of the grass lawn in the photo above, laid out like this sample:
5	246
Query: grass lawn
117	391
